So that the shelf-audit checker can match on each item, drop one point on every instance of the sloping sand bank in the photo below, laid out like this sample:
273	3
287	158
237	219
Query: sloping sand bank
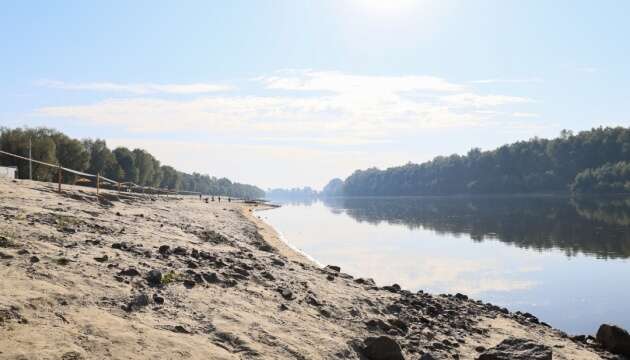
133	277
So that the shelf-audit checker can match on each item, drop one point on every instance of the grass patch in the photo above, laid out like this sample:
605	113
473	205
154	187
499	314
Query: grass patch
170	277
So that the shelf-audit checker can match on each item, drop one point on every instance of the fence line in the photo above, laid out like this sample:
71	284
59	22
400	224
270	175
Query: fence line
98	177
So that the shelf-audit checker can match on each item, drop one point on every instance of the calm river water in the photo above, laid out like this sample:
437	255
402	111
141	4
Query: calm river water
563	260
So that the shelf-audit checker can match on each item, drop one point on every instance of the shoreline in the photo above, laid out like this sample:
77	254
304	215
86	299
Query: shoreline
140	277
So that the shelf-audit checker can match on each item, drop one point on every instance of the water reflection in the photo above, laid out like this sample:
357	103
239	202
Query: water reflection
592	226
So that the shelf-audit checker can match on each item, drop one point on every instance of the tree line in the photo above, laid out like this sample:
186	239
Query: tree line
595	161
121	164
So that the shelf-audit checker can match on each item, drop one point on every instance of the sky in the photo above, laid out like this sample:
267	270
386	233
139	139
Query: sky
289	93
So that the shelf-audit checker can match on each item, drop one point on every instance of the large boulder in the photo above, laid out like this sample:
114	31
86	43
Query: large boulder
517	349
382	348
614	339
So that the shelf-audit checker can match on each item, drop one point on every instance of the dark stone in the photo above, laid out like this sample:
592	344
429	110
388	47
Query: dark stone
101	259
6	256
22	252
72	355
210	277
480	349
277	262
34	259
164	250
191	264
377	325
330	277
400	324
268	276
154	278
427	356
393	288
189	284
198	278
614	339
333	268
362	281
180	251
382	348
158	299
283	307
286	293
129	272
462	297
517	349
195	253
137	302
312	300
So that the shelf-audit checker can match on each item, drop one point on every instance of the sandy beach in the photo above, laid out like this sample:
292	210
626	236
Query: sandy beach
135	277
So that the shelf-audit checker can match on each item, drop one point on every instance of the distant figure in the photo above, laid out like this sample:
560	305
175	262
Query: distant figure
206	200
219	198
200	197
212	198
229	199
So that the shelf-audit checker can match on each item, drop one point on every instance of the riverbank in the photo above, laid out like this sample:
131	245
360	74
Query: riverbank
133	277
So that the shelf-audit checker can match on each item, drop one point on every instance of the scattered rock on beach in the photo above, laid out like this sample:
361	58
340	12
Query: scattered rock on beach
286	293
137	302
129	272
154	277
382	348
517	349
101	258
614	339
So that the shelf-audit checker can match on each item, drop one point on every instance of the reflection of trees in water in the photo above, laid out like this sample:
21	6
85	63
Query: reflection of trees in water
591	226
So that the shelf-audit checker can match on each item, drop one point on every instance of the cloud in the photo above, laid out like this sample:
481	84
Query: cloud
323	107
508	81
482	101
338	82
136	89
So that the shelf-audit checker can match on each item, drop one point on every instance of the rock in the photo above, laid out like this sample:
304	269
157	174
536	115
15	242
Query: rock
189	284
461	297
427	356
614	339
180	251
517	349
332	268
154	278
34	259
276	262
286	293
72	355
138	302
267	275
382	348
22	252
129	272
164	250
101	259
210	277
5	256
158	299
393	288
312	300
362	281
330	277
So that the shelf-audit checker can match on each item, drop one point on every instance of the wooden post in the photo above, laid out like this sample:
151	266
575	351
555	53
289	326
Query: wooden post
98	183
59	177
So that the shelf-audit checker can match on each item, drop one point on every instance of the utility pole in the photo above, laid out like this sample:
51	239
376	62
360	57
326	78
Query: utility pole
30	159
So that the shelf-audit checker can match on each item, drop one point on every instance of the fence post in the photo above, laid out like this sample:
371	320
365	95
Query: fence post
59	177
98	183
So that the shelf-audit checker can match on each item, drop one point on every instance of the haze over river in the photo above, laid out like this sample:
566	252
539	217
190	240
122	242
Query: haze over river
564	260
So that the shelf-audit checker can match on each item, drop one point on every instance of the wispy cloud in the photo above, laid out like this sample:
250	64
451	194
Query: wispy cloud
315	106
345	83
508	81
525	115
137	89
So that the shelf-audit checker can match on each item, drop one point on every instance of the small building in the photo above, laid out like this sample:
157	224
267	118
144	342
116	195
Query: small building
8	172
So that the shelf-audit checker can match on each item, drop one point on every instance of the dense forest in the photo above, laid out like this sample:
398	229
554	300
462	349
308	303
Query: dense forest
121	164
595	161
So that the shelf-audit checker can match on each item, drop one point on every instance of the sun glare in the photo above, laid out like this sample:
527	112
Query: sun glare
387	7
